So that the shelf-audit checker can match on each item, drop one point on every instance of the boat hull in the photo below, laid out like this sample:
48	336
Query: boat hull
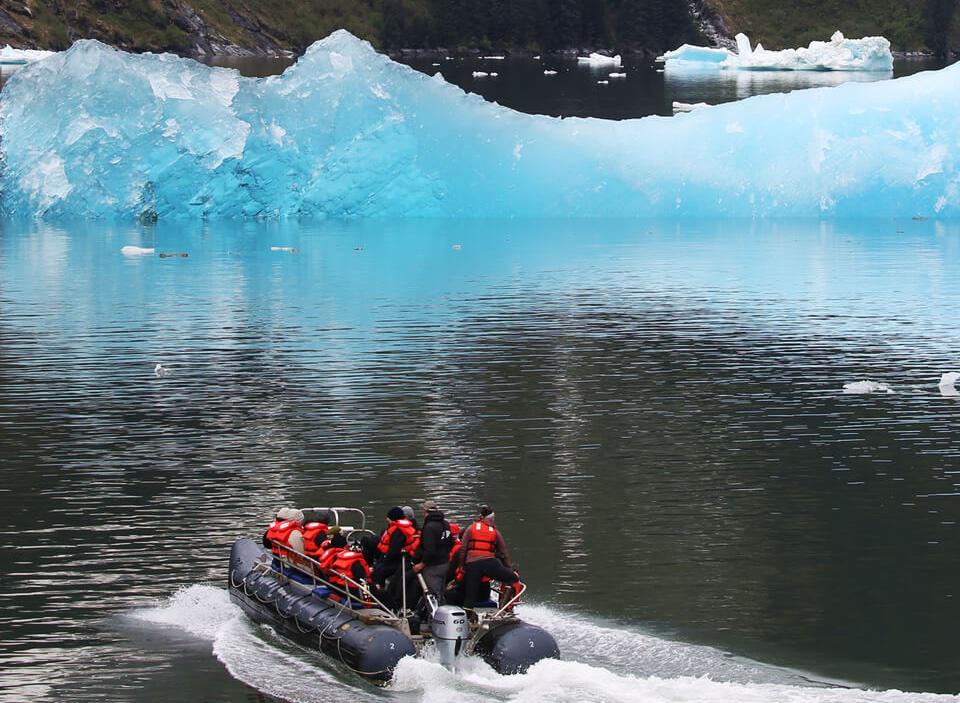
370	650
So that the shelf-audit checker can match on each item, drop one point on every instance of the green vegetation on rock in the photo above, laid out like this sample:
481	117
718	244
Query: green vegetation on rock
273	26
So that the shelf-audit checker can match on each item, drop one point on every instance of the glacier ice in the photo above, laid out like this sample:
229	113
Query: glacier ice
97	133
838	54
9	55
600	61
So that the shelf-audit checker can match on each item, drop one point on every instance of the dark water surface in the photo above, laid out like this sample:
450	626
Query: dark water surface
655	410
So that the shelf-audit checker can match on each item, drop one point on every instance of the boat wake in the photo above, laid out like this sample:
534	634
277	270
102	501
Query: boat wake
602	663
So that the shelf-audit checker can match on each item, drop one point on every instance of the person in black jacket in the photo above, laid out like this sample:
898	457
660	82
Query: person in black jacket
436	541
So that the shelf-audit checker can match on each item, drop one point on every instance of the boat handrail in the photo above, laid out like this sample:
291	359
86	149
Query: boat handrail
509	603
336	515
281	556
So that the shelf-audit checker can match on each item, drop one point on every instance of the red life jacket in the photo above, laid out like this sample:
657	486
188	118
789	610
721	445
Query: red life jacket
313	535
411	537
343	566
455	548
483	540
279	534
327	557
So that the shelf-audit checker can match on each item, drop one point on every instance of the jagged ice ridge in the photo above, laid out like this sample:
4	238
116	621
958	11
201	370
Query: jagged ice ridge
97	133
838	54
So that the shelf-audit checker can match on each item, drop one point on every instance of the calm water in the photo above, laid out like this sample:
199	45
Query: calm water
576	90
654	409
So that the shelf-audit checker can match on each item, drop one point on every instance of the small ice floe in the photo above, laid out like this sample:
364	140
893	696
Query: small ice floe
549	73
864	387
434	64
948	388
618	75
603	82
160	371
173	254
480	74
598	60
493	58
131	250
457	247
687	107
292	250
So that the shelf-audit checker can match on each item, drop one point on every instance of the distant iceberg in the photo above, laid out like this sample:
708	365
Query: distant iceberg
94	132
9	55
838	54
600	61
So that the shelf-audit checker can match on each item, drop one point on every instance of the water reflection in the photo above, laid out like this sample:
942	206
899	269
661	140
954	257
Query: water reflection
713	86
654	408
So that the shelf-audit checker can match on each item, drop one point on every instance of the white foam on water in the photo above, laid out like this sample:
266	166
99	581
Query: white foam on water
601	663
575	682
256	655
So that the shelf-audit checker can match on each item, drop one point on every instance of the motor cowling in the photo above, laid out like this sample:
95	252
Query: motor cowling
450	631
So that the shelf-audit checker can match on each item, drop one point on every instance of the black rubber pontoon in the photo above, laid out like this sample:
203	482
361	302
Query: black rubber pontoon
354	638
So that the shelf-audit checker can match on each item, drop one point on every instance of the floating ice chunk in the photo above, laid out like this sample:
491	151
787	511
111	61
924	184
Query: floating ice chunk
291	250
838	54
9	55
687	53
617	75
131	250
687	107
480	74
603	82
83	135
599	60
493	58
549	73
948	384
863	387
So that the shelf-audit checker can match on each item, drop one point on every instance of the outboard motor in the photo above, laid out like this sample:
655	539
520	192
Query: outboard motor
450	631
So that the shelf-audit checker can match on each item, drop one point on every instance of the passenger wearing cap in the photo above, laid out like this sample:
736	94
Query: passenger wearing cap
436	540
484	555
285	531
398	540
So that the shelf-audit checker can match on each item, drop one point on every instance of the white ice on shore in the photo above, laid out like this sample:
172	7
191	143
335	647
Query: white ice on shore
864	387
9	55
94	132
600	60
838	54
687	107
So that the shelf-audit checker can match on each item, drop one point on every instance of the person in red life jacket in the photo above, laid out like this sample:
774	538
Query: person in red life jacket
484	554
351	564
399	540
436	541
285	531
314	533
330	549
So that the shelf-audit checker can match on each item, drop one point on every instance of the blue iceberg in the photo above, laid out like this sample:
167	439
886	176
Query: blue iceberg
97	133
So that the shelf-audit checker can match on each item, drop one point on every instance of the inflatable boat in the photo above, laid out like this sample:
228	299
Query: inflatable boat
362	633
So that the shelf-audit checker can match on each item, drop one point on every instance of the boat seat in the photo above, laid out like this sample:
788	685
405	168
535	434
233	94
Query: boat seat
487	604
291	573
322	592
